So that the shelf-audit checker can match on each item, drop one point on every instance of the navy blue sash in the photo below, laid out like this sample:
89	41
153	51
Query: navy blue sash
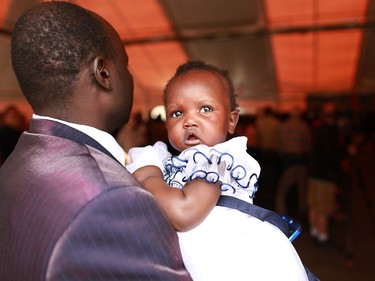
255	211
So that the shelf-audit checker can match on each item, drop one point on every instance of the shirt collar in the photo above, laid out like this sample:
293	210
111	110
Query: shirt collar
105	139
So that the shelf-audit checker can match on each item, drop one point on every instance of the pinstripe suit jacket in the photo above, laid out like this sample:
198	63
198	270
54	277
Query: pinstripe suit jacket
68	211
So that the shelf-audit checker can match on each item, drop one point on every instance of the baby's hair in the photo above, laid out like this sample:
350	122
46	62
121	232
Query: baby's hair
200	65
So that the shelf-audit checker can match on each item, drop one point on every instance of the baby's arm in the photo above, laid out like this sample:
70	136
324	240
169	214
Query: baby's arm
185	208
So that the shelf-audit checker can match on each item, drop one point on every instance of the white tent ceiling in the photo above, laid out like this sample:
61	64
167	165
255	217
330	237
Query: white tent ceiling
278	52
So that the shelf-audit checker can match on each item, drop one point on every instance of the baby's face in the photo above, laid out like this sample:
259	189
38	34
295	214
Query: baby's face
198	110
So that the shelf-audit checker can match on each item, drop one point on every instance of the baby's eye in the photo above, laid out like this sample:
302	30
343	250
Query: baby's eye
206	109
176	114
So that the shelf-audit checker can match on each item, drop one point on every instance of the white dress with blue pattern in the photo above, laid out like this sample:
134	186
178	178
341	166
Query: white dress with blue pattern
226	162
228	244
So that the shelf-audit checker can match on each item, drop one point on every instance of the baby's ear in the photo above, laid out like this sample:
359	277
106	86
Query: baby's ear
233	120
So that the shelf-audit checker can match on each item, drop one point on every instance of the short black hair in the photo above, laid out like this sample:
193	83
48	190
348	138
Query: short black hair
51	42
201	65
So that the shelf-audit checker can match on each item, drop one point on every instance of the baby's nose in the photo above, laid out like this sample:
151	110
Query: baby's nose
189	121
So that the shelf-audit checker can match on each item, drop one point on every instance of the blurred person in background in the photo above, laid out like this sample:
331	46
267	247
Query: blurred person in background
268	125
132	134
324	173
294	147
12	124
249	130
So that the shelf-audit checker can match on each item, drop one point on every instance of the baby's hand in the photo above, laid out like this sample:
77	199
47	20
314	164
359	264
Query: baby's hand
145	172
148	155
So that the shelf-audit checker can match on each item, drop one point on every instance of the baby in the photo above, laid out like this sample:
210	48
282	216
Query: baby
217	243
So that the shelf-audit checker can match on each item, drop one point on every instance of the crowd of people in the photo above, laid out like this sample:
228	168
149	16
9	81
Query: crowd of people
309	170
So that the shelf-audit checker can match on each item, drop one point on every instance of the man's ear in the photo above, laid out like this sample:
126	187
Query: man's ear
101	73
233	120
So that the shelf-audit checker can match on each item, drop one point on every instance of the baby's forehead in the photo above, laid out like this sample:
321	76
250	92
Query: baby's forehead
209	82
203	72
203	76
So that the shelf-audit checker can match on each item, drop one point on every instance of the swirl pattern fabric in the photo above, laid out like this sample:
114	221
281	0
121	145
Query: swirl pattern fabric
226	162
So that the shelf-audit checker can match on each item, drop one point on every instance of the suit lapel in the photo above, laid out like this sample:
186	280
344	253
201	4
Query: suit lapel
57	129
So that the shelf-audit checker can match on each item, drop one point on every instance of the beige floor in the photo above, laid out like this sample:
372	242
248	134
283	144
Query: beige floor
352	255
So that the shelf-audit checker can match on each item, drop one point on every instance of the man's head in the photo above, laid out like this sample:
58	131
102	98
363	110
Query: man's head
69	63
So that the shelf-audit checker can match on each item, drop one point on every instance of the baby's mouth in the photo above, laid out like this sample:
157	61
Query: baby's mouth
192	139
